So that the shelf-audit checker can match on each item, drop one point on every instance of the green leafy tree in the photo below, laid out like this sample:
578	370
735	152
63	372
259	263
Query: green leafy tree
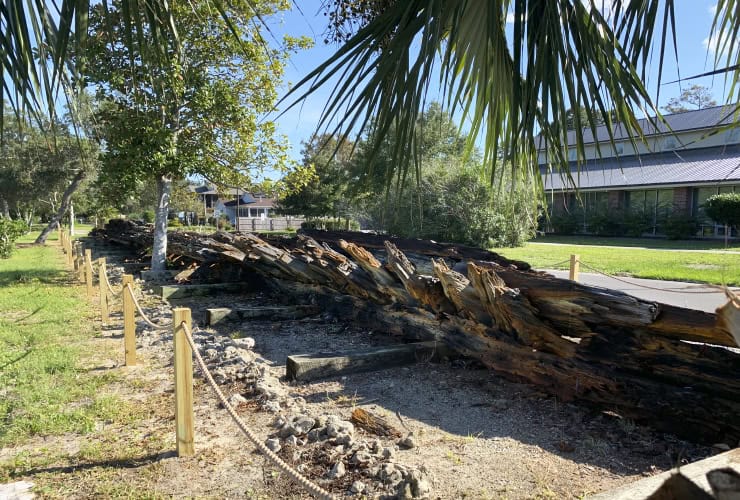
187	101
694	97
39	175
724	209
508	80
325	193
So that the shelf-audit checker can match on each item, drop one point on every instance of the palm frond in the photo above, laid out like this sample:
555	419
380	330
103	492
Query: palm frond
513	84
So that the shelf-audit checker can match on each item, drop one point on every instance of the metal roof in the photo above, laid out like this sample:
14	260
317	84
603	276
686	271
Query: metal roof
678	122
710	165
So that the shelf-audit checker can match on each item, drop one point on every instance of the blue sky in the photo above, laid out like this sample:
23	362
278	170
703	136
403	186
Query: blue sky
693	23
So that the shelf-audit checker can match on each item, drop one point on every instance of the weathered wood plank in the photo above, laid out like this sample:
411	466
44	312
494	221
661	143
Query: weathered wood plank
695	472
218	315
182	291
330	364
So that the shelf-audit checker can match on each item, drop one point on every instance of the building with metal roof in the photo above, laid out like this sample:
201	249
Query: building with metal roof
682	162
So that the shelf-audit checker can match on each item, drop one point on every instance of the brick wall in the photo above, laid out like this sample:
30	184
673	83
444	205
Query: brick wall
682	200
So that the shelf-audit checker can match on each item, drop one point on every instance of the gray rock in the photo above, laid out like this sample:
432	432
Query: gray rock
336	427
344	439
387	453
408	442
273	444
303	424
357	487
291	440
314	435
237	399
337	471
287	430
278	422
420	486
361	458
271	406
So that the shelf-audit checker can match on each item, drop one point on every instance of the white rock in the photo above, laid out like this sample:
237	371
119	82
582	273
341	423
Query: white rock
337	471
237	399
357	487
244	342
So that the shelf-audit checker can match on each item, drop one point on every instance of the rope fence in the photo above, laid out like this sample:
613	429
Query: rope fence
185	349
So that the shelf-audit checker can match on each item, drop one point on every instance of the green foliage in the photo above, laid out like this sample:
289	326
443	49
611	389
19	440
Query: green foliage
329	224
724	209
678	226
694	97
462	207
10	230
148	216
323	181
174	223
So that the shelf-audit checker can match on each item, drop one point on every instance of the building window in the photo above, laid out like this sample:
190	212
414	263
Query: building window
669	144
732	136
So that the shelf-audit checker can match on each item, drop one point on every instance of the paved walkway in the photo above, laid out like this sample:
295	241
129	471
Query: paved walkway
677	293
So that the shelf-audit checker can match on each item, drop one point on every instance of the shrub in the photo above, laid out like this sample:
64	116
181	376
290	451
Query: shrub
148	216
680	226
606	223
10	230
567	223
330	224
724	208
174	223
637	223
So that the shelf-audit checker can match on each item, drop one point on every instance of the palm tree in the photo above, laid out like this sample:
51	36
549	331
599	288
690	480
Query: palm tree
513	82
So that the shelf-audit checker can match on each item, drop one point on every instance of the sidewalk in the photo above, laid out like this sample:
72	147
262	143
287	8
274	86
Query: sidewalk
690	295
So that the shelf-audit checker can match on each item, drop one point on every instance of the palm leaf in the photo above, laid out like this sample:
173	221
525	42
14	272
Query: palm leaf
513	90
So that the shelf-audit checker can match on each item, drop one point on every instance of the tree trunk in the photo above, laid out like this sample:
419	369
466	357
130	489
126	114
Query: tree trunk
71	219
64	205
648	361
159	245
6	209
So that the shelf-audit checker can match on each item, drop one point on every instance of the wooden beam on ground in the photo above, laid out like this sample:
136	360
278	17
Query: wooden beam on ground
696	473
328	364
223	314
183	291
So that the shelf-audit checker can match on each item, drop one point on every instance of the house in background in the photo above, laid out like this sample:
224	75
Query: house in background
246	211
674	173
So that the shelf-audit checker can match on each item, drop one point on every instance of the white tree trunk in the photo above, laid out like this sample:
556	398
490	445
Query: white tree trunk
71	219
159	247
6	209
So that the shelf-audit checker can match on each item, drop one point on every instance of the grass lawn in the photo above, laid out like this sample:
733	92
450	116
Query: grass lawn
45	327
655	263
640	242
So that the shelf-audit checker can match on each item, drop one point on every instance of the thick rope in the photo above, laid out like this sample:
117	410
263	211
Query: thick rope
107	283
311	487
550	266
683	290
154	325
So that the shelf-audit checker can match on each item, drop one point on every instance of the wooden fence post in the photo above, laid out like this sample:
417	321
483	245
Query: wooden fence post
183	383
103	290
575	267
89	272
74	255
129	326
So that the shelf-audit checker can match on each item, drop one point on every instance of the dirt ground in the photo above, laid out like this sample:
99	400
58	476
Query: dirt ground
476	435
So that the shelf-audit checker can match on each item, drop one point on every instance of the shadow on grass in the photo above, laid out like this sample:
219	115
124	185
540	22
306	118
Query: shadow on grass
30	276
125	463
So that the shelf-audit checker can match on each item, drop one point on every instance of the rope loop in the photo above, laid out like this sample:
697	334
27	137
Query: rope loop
146	319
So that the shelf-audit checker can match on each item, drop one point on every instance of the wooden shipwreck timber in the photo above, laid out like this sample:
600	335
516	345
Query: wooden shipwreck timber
675	369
